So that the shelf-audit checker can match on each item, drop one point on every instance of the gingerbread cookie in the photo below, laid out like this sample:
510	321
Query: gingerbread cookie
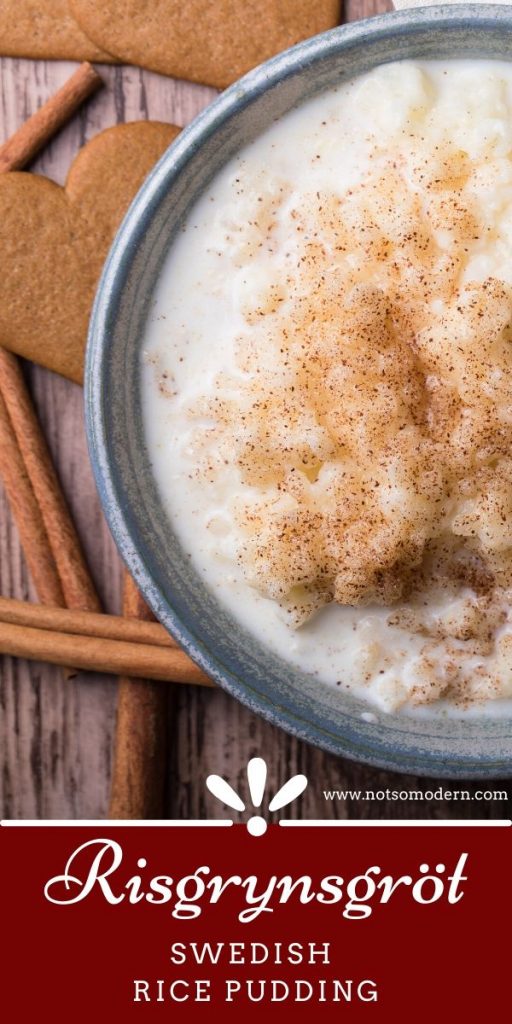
45	28
209	41
53	242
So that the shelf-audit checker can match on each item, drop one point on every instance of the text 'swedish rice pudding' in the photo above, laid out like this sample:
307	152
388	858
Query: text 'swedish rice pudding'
327	385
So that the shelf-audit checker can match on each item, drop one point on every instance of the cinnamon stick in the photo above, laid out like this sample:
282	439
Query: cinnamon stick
24	145
64	620
27	514
138	770
96	654
77	587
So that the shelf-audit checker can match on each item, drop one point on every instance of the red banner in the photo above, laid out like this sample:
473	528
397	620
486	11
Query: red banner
143	923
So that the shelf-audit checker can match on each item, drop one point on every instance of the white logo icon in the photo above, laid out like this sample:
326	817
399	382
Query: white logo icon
256	777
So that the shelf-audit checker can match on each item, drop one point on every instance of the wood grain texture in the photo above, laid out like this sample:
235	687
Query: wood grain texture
356	9
56	738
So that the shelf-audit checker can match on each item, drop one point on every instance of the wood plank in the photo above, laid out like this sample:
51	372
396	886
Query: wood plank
356	9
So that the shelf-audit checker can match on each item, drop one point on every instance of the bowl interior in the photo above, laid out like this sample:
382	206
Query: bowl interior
477	746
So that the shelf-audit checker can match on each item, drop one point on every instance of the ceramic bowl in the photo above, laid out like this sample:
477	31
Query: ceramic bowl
476	746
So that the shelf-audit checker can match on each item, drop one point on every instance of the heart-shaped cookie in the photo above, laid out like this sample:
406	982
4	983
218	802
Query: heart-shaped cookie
53	242
45	28
210	41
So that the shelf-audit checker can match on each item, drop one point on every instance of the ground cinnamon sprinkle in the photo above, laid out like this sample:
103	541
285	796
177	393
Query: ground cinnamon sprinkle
376	414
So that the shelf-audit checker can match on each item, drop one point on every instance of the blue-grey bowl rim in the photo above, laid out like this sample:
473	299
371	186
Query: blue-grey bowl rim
485	17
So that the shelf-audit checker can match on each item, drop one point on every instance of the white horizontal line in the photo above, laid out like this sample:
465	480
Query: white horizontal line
394	823
105	823
225	823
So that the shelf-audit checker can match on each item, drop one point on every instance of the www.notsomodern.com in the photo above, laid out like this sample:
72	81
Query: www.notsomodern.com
368	795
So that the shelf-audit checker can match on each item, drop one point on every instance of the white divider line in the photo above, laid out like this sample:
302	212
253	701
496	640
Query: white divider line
226	823
120	823
401	823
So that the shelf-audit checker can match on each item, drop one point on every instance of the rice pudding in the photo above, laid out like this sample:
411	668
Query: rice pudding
327	385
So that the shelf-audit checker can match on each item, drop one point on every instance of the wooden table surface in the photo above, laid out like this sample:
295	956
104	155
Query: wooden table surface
56	736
